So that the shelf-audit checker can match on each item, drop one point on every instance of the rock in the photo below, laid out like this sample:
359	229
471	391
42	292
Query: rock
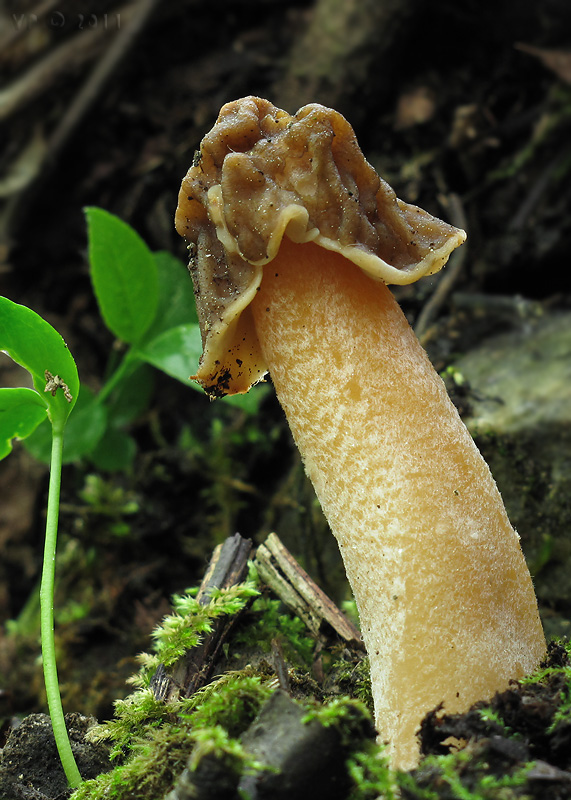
518	388
293	756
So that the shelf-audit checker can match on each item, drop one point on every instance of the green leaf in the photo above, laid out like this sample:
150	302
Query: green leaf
124	275
176	304
21	411
131	396
249	402
115	452
39	443
176	352
32	342
84	430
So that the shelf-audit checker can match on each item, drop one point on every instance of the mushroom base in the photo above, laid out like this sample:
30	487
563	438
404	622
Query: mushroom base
447	607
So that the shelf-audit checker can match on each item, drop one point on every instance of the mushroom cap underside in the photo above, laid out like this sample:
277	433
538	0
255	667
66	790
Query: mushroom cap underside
262	174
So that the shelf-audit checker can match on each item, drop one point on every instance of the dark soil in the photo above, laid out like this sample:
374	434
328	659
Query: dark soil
31	752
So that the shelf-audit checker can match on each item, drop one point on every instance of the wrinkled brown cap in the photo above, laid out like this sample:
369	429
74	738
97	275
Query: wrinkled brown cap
262	173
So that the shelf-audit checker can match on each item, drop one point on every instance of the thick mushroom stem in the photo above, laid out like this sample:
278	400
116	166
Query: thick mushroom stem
446	602
447	606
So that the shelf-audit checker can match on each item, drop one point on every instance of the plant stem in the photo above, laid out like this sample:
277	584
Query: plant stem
47	614
129	363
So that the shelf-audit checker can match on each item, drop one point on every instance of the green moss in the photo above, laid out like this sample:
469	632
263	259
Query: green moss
267	620
556	678
494	722
371	775
465	775
184	628
351	718
232	701
216	744
351	676
155	761
151	740
155	744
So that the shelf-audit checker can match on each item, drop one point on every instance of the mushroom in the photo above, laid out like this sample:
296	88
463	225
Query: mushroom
293	238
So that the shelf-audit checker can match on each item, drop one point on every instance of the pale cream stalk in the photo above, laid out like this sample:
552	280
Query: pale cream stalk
446	602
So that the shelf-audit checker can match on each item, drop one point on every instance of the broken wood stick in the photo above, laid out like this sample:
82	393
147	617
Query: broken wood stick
228	567
290	582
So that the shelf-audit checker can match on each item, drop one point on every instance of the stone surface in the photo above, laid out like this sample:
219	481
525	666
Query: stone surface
519	393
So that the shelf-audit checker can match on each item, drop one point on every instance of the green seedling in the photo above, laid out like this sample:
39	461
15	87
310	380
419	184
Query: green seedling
31	342
145	299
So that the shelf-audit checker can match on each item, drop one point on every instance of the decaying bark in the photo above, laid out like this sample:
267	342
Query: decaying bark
279	570
228	566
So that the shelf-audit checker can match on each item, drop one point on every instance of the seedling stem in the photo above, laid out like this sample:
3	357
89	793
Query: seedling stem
47	614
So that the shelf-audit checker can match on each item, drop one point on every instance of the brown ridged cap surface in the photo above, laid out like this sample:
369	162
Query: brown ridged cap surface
262	173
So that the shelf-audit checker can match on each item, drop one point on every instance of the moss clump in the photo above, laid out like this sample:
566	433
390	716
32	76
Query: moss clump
214	741
478	772
266	621
158	744
159	749
185	627
152	739
350	675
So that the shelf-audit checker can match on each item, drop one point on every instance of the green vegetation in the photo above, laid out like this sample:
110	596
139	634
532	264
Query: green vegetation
371	775
152	739
175	636
146	301
558	679
268	620
494	722
36	346
464	775
152	742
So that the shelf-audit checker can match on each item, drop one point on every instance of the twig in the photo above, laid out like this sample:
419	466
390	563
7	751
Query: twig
103	70
228	566
72	53
449	276
280	571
